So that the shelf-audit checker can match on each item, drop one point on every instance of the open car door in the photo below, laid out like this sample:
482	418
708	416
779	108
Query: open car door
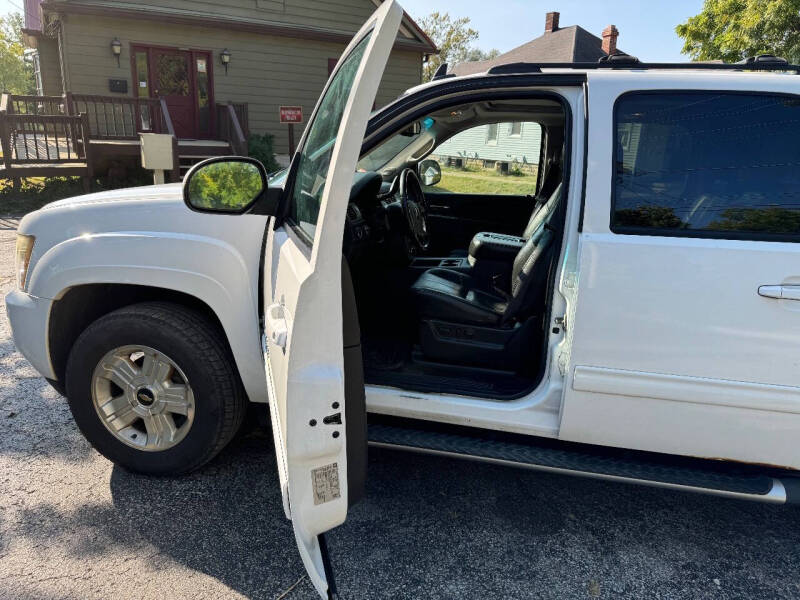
320	430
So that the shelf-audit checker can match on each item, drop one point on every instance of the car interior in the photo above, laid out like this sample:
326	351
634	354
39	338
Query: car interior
453	285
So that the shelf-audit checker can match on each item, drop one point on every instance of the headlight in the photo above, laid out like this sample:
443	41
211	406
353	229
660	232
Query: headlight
24	250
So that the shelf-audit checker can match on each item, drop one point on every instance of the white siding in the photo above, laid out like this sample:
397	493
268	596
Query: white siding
265	71
473	143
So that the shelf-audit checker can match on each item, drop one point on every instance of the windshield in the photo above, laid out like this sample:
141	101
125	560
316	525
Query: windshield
375	159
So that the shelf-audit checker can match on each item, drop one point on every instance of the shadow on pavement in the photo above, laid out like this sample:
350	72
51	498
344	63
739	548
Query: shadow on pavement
441	528
226	520
34	418
436	528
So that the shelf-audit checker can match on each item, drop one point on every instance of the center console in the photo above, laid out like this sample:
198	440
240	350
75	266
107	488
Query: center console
494	247
491	257
454	263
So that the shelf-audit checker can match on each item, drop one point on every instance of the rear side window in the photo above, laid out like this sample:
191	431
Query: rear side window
707	165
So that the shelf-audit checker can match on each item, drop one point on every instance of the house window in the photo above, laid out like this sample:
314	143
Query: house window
142	75
37	73
707	164
516	130
203	105
492	133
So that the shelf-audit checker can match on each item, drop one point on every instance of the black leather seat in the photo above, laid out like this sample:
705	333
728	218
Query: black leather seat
456	297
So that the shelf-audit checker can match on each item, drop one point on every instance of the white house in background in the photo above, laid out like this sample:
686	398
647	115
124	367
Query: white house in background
519	142
501	142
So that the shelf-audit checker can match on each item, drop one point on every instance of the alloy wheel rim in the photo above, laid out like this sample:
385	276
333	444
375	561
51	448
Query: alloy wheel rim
143	398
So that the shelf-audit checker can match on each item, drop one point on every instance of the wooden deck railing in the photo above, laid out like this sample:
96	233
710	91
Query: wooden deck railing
51	135
233	126
29	139
120	118
34	105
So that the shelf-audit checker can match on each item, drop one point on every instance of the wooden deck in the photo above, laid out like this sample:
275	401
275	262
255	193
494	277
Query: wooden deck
37	143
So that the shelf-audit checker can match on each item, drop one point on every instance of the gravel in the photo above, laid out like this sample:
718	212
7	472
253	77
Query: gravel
72	525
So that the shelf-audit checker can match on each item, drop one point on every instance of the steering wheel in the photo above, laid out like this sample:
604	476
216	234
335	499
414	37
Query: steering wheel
415	208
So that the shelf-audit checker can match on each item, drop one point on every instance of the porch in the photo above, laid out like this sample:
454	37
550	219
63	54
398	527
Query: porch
83	135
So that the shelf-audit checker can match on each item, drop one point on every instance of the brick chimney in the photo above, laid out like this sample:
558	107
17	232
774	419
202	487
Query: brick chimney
551	22
610	34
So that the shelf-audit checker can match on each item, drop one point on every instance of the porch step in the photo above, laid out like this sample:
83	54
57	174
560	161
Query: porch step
596	462
187	161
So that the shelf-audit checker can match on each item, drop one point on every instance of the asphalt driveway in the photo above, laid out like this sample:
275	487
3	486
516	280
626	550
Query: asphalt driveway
74	526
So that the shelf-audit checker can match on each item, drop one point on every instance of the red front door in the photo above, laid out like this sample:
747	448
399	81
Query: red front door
183	79
174	81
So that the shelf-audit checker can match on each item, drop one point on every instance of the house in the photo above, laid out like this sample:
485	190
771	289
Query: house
557	44
519	143
200	69
514	143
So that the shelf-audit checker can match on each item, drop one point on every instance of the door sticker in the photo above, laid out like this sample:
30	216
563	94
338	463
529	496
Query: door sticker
325	481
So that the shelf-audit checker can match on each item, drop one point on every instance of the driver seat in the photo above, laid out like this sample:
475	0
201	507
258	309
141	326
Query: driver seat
456	297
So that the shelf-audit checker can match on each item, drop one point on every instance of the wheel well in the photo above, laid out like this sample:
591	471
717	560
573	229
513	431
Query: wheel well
80	306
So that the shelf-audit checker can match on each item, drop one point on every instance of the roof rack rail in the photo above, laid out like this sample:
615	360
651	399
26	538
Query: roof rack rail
763	62
618	59
763	59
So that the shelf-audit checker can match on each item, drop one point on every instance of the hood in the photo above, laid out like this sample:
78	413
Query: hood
150	208
169	191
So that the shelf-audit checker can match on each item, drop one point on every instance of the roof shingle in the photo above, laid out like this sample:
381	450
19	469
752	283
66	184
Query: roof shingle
568	44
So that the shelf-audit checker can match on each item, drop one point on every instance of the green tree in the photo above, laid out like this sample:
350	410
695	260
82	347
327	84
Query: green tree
772	219
454	38
16	75
475	54
731	30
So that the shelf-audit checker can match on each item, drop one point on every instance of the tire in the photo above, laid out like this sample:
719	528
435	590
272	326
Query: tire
213	397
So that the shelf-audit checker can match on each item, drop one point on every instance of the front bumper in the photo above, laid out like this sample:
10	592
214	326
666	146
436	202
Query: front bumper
29	317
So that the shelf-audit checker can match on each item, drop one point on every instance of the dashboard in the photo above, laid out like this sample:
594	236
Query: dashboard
373	213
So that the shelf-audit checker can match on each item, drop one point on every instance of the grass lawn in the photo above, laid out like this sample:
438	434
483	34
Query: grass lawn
483	181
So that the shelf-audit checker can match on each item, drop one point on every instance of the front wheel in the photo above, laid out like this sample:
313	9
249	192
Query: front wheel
153	387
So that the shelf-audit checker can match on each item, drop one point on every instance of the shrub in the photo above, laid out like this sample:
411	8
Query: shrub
261	147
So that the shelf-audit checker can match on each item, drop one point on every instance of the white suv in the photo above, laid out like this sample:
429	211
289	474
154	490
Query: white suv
632	315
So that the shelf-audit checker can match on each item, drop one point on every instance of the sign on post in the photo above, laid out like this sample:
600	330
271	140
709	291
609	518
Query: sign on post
291	115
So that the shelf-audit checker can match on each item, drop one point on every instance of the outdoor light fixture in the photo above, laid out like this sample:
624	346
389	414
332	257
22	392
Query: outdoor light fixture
116	49
225	58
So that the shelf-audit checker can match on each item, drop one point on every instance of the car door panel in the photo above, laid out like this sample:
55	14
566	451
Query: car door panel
311	354
673	348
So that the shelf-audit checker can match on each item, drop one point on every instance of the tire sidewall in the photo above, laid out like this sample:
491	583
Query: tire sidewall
117	330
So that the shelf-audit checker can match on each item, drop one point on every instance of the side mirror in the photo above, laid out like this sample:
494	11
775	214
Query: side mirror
226	185
430	172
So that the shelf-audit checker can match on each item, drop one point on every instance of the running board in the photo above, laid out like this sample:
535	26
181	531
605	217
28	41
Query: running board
550	459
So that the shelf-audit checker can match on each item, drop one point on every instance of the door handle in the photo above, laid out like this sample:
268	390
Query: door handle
780	292
276	326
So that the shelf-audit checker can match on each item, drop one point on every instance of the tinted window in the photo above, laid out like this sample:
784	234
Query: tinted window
717	164
316	154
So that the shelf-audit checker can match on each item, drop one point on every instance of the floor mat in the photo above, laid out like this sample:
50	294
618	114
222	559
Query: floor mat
443	379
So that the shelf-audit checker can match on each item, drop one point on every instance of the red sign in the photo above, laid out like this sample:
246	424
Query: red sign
291	114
